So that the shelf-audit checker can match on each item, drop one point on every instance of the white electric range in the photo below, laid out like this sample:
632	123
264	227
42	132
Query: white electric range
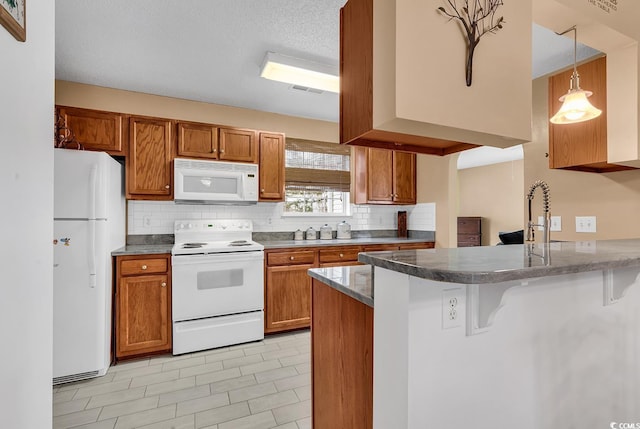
217	284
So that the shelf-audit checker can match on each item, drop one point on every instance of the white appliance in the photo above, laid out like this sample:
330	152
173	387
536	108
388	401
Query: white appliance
215	182
89	214
217	285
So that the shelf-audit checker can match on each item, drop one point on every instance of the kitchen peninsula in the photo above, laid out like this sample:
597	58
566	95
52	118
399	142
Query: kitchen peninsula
527	336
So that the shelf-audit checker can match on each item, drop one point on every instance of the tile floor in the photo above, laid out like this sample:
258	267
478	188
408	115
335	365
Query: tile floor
265	384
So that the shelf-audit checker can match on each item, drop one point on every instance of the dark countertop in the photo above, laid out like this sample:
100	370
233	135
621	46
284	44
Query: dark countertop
354	281
141	249
283	244
494	264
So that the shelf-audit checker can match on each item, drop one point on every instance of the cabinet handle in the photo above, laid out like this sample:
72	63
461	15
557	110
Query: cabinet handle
166	186
341	255
144	267
221	150
291	258
262	190
213	151
163	284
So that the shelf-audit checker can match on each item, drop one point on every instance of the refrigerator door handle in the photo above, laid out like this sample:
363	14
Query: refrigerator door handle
93	179
92	253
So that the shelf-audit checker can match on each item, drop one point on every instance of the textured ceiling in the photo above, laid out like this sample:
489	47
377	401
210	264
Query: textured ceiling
212	50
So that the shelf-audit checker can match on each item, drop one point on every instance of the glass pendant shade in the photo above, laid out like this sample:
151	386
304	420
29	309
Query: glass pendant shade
575	108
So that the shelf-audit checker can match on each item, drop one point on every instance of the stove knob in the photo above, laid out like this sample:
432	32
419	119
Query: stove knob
189	226
181	226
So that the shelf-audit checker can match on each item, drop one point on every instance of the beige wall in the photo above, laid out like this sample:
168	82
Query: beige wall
614	198
100	98
437	183
494	192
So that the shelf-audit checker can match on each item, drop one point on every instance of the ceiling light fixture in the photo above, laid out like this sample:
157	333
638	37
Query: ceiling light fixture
575	106
296	71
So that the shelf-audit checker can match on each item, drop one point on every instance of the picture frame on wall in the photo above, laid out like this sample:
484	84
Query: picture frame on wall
13	18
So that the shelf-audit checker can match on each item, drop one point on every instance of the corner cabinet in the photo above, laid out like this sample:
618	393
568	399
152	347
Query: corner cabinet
287	286
142	305
581	146
271	167
96	130
148	165
382	176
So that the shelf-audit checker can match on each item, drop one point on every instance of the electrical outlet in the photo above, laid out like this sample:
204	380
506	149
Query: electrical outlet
451	308
585	224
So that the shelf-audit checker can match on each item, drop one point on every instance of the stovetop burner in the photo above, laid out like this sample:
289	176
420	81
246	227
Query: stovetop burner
193	245
240	243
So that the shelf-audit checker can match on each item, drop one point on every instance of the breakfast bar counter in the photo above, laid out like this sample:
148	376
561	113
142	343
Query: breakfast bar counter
529	336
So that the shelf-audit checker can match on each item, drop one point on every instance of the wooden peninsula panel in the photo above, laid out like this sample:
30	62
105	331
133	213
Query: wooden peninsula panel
342	340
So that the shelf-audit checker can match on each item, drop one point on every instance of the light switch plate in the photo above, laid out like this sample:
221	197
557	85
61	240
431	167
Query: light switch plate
585	224
556	223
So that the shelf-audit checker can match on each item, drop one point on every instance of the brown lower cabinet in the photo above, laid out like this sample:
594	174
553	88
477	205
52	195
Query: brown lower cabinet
287	291
341	360
142	305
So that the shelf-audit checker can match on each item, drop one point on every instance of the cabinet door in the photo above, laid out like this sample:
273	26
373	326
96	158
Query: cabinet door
380	176
404	183
143	315
271	167
149	161
197	140
96	130
238	145
288	298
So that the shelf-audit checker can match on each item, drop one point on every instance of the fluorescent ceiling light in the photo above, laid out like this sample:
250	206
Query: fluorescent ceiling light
296	71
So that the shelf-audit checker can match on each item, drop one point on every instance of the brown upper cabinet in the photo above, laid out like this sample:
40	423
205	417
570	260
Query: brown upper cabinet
382	176
209	141
271	167
148	165
238	145
197	140
96	130
581	146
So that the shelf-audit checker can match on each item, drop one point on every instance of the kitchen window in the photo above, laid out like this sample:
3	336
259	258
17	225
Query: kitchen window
317	178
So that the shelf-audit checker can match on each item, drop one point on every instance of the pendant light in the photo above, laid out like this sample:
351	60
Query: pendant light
575	106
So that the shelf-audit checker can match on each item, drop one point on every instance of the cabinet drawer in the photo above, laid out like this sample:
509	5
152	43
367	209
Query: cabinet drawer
468	240
339	255
290	258
468	225
379	247
131	267
411	246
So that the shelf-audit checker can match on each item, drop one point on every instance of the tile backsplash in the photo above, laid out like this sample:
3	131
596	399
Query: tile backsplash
157	217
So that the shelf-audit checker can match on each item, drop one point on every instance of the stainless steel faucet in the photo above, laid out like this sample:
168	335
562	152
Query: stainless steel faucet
546	220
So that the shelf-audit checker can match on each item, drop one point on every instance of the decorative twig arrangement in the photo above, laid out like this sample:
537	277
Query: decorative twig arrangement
475	21
64	137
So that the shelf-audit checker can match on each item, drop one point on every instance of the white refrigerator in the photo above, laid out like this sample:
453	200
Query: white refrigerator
89	223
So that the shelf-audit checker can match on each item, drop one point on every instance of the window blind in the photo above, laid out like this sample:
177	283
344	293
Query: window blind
317	164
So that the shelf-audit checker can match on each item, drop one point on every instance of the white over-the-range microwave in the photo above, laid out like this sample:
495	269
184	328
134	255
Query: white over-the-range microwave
214	182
